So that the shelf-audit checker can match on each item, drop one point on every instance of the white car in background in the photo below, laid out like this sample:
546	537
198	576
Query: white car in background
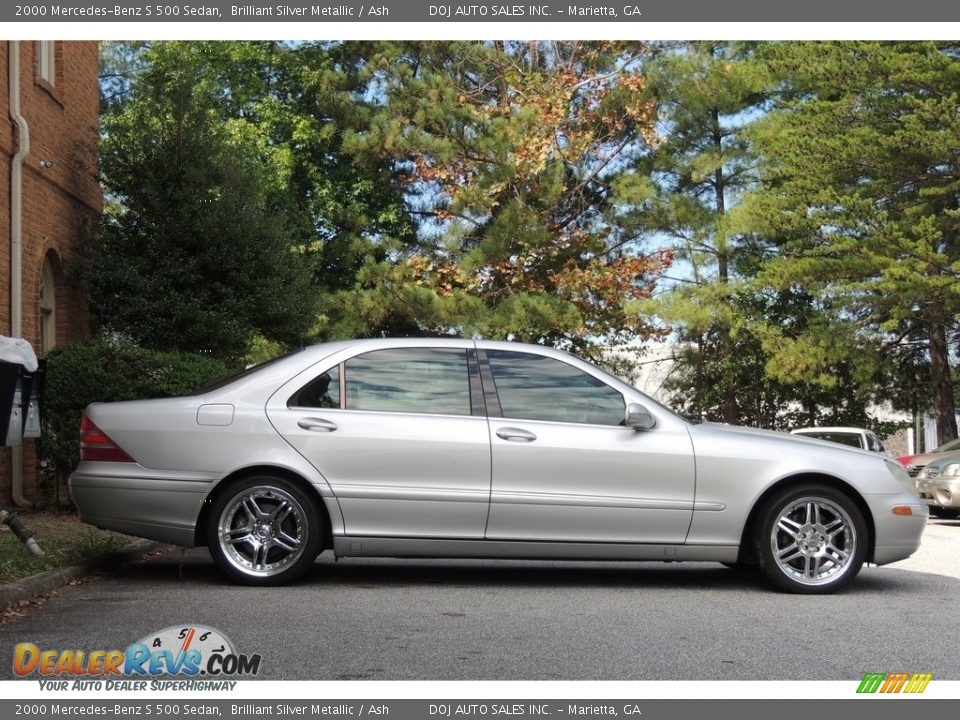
852	436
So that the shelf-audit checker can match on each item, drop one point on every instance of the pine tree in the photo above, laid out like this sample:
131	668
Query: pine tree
861	186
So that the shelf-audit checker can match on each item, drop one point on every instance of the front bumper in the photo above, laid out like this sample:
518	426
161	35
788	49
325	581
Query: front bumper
131	499
896	536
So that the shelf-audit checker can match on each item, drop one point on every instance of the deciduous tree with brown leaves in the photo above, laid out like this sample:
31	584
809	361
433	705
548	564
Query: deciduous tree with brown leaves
508	151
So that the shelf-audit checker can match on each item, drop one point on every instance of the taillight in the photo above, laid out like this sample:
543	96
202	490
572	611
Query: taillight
95	444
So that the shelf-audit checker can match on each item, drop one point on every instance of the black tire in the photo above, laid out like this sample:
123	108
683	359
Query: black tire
810	539
264	530
945	513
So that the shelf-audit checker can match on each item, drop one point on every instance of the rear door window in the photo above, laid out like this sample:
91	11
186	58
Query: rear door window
409	380
321	392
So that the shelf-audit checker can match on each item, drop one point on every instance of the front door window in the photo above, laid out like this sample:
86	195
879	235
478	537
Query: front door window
534	387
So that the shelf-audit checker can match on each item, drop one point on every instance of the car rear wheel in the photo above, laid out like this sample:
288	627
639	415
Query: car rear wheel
264	531
811	539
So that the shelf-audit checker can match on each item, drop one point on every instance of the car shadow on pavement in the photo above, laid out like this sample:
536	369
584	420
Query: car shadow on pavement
195	567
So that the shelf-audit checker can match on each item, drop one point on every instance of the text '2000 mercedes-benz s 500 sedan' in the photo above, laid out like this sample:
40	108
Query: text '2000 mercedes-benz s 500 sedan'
464	448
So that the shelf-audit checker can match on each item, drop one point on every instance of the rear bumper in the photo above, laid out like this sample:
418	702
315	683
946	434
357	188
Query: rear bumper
131	499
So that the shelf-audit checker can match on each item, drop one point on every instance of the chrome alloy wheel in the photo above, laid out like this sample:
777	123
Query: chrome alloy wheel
263	531
813	541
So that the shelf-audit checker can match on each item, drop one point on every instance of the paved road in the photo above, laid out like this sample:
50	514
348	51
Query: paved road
939	550
406	619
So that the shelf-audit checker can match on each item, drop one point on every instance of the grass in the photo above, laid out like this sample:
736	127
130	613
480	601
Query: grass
63	538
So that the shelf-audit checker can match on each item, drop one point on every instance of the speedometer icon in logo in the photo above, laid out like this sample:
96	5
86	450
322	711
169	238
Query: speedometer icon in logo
179	640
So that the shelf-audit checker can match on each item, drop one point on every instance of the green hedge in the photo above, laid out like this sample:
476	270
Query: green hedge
106	371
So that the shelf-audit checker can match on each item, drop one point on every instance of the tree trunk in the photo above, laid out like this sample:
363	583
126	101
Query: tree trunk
731	413
944	405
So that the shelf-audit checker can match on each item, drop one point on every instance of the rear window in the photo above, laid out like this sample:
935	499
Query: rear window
223	382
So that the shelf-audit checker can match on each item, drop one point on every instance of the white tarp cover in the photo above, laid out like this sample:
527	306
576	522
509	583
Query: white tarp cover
18	350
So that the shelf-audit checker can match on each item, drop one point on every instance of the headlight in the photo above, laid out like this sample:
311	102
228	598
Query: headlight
928	472
953	470
902	477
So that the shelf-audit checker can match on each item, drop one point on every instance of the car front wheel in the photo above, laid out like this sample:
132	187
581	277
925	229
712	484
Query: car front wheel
811	539
264	531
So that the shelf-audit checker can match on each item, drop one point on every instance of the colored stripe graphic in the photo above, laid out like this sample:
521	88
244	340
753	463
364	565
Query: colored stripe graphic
918	683
871	682
894	682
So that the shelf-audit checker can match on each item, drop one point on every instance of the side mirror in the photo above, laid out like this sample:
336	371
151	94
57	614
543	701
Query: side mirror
639	418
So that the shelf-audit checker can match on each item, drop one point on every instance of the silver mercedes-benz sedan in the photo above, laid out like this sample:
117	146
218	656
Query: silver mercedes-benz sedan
462	448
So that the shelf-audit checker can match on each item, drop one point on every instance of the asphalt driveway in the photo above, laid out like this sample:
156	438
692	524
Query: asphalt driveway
390	619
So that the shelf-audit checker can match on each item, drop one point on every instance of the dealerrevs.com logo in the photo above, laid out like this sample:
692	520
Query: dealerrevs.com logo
894	682
190	651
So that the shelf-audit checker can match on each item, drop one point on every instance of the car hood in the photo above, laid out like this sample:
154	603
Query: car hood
731	454
933	457
781	440
922	459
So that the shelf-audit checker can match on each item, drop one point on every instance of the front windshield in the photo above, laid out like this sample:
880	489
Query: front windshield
947	446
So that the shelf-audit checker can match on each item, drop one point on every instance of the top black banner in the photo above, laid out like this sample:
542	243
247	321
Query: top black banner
540	11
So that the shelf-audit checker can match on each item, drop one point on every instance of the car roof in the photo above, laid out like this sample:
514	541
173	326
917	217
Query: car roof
321	350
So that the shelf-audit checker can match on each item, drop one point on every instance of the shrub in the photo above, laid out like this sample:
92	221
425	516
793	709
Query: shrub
107	371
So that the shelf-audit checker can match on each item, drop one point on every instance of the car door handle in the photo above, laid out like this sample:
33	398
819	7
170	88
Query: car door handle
317	424
515	434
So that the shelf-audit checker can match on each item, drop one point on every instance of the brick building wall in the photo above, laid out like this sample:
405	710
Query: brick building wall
61	195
